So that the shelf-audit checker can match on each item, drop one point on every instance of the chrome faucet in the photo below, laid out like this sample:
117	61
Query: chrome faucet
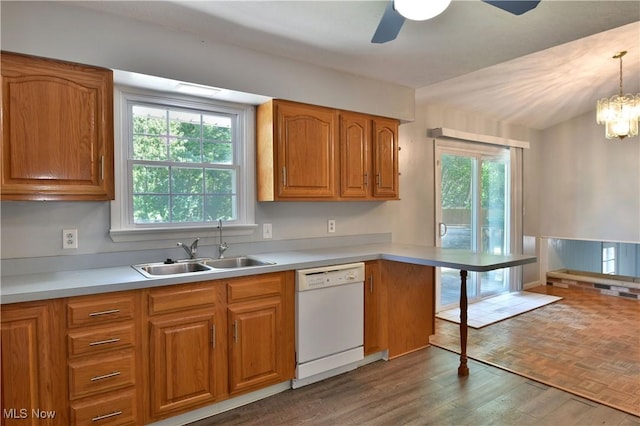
191	250
222	247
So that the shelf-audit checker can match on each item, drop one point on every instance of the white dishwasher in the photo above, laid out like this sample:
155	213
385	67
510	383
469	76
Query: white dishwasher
329	321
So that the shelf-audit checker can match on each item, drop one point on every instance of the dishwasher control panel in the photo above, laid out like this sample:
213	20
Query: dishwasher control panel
327	276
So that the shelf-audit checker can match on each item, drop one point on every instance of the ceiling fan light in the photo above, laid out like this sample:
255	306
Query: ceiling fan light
420	10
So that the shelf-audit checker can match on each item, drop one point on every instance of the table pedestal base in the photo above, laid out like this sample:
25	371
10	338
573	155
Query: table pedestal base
463	370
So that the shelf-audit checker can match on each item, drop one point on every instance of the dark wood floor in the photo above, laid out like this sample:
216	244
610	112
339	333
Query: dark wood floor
423	388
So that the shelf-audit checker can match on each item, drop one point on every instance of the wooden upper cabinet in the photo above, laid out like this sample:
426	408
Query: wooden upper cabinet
368	157
57	130
296	160
355	155
385	158
296	144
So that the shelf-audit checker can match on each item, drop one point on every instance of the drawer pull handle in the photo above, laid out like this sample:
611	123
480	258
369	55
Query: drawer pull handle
104	342
106	416
105	376
110	311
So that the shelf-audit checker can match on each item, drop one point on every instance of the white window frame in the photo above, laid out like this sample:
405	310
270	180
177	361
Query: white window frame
609	258
122	227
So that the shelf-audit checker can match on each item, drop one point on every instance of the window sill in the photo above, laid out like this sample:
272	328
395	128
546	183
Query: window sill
156	234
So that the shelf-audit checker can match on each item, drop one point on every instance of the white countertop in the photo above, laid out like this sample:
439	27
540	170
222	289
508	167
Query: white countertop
40	286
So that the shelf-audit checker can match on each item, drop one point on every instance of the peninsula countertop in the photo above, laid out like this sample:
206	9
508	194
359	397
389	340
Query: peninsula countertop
41	286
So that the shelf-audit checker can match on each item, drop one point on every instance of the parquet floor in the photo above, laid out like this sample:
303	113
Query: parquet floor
586	343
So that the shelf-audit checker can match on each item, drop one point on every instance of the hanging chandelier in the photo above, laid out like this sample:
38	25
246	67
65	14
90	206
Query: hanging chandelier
620	113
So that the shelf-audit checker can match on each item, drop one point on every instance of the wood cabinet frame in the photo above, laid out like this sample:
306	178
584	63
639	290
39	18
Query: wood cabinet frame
311	153
33	367
57	130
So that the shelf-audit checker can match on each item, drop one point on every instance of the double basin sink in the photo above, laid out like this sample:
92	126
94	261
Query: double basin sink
182	267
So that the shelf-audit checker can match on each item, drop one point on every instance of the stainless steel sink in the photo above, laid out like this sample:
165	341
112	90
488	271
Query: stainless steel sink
152	270
236	262
178	268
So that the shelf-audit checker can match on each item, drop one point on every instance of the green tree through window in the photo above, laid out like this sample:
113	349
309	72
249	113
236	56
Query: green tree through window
182	165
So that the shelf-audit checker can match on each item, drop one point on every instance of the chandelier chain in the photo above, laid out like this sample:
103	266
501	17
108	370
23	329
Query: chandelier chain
619	55
621	75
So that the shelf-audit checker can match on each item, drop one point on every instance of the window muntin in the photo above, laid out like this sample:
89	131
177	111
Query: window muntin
183	165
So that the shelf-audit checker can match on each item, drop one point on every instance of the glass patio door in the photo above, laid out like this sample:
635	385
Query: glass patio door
472	213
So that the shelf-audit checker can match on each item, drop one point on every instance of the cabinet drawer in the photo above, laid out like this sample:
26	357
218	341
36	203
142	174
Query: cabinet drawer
258	286
111	410
101	339
101	373
99	310
180	297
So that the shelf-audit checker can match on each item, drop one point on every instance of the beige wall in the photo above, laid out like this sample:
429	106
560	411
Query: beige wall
72	32
417	208
589	186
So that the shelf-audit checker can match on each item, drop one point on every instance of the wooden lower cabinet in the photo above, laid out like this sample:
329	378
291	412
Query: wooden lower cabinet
182	361
376	336
410	305
253	350
115	408
140	356
32	370
260	317
104	364
186	347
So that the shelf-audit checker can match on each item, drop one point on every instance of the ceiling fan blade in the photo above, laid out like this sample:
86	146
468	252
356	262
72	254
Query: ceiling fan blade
389	25
517	7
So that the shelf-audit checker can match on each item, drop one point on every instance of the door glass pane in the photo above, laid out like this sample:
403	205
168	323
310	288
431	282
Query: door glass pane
494	197
474	215
457	228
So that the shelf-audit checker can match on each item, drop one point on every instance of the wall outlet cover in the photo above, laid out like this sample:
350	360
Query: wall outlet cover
70	238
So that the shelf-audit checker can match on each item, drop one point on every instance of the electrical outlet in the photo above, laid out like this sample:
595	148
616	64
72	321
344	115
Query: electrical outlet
331	226
70	238
267	231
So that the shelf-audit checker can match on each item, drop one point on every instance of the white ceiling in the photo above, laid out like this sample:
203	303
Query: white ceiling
537	69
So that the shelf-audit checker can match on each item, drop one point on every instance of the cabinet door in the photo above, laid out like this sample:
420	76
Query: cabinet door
181	361
411	306
305	138
355	157
385	158
32	364
57	130
256	344
375	309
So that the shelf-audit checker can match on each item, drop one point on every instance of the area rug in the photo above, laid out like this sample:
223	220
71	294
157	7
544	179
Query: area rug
498	308
587	344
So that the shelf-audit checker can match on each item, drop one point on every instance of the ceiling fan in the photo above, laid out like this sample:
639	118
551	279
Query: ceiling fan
395	15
